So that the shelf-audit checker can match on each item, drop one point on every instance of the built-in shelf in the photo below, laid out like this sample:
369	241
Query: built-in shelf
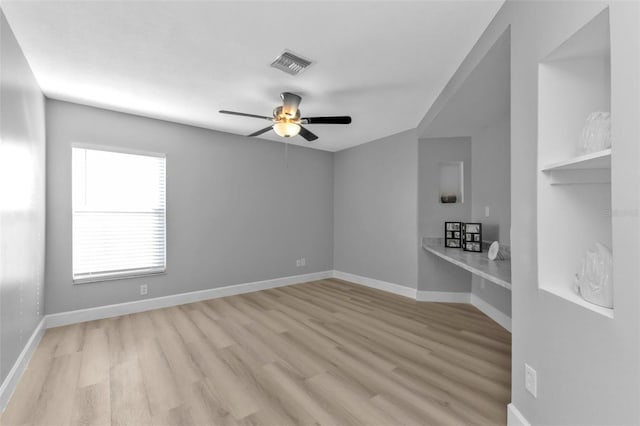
594	160
584	169
574	191
569	294
496	271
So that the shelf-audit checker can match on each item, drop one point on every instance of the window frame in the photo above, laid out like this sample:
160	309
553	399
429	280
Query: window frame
112	276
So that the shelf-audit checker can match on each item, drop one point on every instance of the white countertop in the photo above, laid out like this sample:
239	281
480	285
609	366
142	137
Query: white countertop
496	271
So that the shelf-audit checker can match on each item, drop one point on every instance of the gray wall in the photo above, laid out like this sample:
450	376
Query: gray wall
480	110
587	364
375	208
490	152
237	212
434	274
22	200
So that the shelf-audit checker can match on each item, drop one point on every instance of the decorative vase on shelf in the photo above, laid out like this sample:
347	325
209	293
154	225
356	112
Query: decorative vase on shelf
594	282
596	133
448	198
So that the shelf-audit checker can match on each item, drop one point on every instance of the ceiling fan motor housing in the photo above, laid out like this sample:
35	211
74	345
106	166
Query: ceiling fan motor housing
290	104
280	115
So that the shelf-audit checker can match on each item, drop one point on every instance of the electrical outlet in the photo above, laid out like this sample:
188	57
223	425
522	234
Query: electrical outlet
303	262
144	290
531	380
298	262
486	211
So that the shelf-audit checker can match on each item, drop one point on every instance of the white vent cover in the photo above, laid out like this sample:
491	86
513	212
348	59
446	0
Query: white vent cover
290	63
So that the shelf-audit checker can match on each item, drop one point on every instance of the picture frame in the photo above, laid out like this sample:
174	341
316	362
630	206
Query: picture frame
452	234
472	237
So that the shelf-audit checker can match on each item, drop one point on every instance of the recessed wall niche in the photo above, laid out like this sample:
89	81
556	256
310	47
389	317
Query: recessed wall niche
451	185
574	189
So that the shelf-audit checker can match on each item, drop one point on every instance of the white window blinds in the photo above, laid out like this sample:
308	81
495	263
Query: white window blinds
118	214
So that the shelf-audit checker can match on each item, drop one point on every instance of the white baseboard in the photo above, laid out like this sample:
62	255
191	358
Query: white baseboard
491	312
11	381
442	296
108	311
429	296
515	417
377	284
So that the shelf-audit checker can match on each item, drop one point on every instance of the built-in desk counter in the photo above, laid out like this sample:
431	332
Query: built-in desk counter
496	271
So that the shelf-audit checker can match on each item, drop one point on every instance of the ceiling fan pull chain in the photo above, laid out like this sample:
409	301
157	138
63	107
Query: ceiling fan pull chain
286	155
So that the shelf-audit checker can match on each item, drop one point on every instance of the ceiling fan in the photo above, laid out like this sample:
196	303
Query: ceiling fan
287	121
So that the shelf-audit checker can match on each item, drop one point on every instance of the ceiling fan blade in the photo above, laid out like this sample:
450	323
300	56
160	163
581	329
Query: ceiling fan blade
307	134
222	111
290	103
341	119
261	131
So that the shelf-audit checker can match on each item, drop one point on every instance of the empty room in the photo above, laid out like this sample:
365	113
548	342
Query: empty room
319	212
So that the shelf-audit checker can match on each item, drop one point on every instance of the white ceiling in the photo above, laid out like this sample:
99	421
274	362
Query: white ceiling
383	63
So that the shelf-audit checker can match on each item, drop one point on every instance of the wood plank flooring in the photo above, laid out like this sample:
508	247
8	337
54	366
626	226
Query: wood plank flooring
327	352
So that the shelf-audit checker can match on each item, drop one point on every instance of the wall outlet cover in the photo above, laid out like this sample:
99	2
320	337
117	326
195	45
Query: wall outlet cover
531	380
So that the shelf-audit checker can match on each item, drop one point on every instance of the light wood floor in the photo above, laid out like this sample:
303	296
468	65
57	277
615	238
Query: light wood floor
326	352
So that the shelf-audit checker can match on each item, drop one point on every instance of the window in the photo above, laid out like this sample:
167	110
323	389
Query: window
118	214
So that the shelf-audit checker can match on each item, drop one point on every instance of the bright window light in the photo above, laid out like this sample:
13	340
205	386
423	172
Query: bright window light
118	214
17	184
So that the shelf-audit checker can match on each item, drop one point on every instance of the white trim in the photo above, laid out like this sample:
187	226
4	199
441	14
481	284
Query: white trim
429	296
11	381
117	149
99	312
377	284
515	417
108	311
443	296
491	312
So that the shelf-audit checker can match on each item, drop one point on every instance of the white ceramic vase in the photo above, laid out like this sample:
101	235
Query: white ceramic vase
594	282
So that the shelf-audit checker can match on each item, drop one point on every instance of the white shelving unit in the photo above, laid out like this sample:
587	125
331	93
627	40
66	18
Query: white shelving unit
595	160
589	168
574	190
572	296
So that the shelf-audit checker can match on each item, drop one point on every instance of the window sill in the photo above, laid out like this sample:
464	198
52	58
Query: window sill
113	277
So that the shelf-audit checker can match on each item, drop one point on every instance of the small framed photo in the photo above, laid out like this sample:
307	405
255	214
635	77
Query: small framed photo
453	243
473	227
452	234
473	237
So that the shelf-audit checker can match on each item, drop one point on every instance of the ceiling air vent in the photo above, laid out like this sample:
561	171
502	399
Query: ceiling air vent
290	63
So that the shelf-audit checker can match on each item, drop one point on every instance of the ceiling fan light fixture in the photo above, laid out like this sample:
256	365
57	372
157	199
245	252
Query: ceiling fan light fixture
286	129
